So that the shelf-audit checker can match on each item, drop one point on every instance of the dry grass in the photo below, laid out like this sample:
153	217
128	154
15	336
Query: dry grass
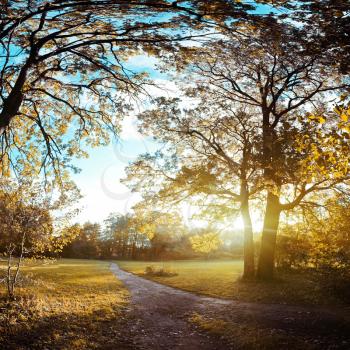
69	304
242	336
221	278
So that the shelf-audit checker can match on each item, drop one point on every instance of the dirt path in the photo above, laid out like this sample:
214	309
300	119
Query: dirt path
159	318
159	315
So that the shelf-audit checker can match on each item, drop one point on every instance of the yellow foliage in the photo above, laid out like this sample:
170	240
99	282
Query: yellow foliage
206	243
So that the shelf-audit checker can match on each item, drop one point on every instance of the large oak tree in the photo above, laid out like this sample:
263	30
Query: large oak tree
272	74
208	159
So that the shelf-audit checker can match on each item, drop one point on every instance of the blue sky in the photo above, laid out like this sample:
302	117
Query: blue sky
100	175
99	179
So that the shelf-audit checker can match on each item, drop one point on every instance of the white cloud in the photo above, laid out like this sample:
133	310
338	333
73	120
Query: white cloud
129	129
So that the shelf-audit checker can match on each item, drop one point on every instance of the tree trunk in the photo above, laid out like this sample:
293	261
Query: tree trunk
133	249
268	239
249	267
249	270
13	101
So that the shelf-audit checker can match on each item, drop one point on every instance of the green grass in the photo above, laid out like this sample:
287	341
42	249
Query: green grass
212	277
66	305
221	278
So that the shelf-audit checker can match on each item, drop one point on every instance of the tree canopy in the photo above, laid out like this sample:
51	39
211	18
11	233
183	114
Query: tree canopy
268	116
263	123
64	81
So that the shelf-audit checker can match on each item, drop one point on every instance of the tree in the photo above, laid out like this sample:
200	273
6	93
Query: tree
27	226
162	229
331	244
64	81
206	243
271	73
208	153
122	237
321	240
85	244
327	23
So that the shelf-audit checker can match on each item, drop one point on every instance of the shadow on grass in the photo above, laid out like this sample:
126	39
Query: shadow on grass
294	288
69	332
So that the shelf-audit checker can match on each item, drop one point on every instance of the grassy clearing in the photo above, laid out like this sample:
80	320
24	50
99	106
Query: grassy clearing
212	277
69	304
221	278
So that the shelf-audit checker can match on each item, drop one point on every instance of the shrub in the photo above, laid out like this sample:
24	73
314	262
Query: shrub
159	272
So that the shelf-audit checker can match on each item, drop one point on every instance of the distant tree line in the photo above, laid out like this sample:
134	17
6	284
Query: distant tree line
118	239
318	242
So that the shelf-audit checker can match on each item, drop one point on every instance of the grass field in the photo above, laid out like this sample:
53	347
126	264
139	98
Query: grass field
68	304
212	277
80	305
221	278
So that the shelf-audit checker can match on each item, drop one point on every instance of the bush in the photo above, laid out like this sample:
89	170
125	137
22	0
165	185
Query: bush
337	282
293	250
159	272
